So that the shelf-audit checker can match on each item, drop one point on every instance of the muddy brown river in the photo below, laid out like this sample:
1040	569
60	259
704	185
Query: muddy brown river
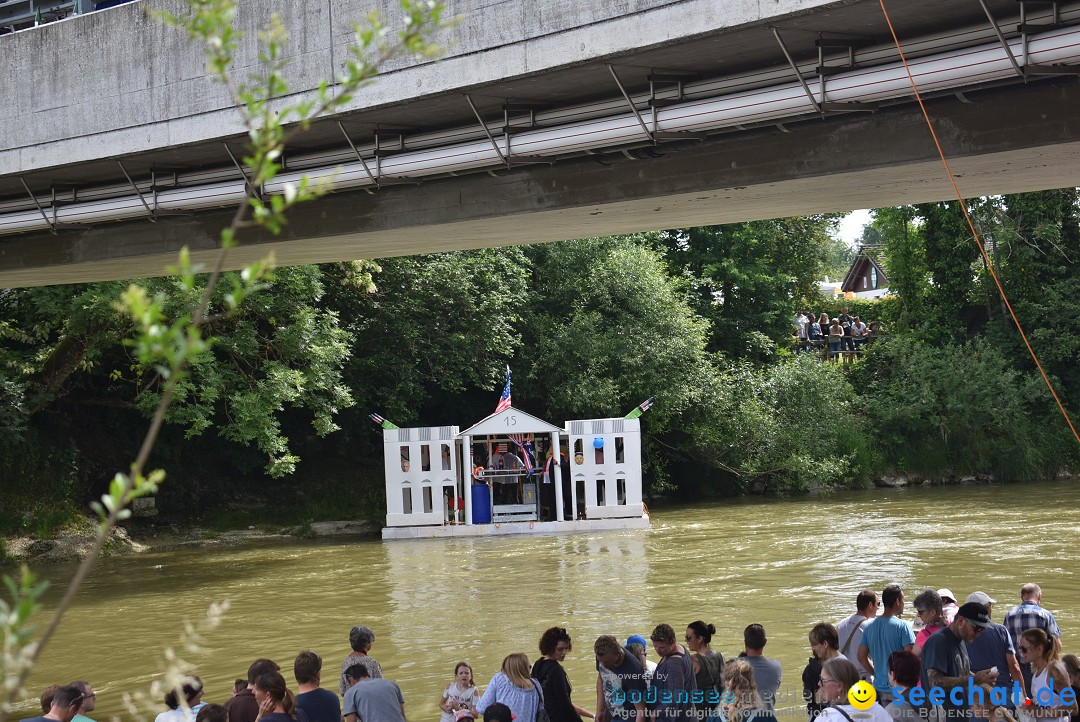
786	564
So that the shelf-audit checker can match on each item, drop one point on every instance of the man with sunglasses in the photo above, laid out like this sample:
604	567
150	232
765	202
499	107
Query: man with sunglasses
945	663
89	701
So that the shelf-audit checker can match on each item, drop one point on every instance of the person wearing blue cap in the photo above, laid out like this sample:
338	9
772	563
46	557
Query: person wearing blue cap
640	647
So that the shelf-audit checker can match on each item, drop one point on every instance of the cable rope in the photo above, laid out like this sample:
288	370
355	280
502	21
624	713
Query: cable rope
971	225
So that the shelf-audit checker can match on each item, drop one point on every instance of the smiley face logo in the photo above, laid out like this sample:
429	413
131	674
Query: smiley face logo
862	695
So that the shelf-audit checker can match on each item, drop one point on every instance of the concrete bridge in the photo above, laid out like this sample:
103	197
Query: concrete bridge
114	86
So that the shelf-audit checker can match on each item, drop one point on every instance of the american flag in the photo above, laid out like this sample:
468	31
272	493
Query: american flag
640	409
382	422
526	451
504	400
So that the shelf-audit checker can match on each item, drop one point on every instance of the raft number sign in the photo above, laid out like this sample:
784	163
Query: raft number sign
511	420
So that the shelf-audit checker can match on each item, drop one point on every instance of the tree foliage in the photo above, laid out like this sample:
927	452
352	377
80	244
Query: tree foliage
960	408
784	428
607	327
749	277
445	322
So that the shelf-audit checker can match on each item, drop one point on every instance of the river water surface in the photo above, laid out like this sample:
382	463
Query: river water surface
786	564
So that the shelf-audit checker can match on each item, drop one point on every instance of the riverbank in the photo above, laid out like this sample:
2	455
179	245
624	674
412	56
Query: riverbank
73	542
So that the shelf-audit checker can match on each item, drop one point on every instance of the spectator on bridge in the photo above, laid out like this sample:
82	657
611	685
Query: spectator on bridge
858	333
836	338
823	324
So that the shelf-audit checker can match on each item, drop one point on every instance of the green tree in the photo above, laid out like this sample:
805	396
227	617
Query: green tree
607	327
839	256
280	351
784	428
443	323
950	253
958	408
1037	247
904	255
749	278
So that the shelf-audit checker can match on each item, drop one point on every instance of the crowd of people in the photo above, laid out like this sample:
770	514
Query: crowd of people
835	336
953	663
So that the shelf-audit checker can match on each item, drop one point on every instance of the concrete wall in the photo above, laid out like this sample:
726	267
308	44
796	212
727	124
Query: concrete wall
1005	140
118	82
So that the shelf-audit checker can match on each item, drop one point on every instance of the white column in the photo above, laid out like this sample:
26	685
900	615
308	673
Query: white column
467	451
573	481
556	476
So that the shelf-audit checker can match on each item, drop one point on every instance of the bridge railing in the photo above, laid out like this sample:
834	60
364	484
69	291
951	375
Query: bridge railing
22	14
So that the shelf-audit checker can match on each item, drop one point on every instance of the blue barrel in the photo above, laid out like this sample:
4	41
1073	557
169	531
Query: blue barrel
481	504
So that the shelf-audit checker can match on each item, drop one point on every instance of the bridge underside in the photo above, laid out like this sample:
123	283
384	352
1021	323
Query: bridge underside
999	140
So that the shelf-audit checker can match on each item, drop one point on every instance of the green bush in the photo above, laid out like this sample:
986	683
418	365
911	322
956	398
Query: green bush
40	483
786	428
957	409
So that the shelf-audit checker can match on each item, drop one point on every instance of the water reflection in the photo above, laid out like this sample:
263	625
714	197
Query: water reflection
785	564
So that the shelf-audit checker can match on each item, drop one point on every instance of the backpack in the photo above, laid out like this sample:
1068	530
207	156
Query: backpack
541	710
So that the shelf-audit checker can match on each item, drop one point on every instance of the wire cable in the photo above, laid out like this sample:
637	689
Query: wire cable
971	225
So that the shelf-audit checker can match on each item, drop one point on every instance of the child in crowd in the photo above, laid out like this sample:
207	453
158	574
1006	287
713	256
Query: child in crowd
460	694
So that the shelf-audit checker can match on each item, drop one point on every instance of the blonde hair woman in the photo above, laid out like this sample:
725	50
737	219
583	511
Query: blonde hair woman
741	701
1048	677
513	687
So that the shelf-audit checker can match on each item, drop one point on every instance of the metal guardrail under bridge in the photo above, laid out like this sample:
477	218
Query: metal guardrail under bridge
23	14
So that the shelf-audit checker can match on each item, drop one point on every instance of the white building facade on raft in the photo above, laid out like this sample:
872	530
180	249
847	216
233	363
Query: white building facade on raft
583	476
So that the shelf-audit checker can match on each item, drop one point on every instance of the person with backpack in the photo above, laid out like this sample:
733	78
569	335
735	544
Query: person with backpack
708	664
850	630
555	644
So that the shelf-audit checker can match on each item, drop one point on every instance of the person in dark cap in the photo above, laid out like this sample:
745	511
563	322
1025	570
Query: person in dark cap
945	662
498	712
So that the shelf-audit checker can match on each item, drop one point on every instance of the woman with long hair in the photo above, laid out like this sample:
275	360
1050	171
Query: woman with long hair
837	677
276	702
1048	678
513	687
741	701
824	645
555	644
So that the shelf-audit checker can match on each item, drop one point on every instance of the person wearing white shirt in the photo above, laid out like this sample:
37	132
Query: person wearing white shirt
850	630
